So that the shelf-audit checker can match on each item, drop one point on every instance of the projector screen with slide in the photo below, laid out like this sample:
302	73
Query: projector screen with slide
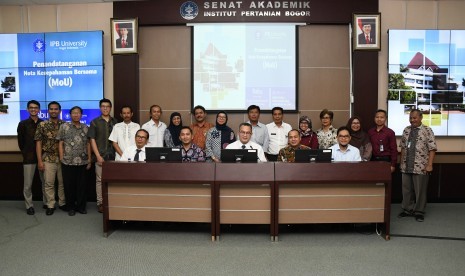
236	65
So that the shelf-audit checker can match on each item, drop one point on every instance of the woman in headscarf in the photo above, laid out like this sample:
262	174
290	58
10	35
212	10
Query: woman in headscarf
171	136
307	136
359	138
218	137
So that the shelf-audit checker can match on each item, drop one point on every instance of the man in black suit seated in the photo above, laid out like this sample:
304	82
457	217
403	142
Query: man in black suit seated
368	35
125	36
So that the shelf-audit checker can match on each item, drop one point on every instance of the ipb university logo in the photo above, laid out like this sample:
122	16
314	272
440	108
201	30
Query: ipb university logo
38	45
189	10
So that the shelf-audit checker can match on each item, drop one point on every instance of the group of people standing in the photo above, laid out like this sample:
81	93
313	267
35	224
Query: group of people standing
64	150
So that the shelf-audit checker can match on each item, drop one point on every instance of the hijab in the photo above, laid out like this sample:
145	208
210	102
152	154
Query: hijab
309	129
227	135
360	137
175	130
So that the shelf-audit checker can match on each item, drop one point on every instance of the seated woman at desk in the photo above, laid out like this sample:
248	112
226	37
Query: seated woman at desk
359	138
171	135
218	137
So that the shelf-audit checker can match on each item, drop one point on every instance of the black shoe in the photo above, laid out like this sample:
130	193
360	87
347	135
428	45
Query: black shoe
49	211
63	208
404	214
30	211
419	217
83	211
71	213
44	207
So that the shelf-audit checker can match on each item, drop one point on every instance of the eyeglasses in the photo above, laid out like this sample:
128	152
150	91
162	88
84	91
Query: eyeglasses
245	132
105	106
344	136
141	137
326	117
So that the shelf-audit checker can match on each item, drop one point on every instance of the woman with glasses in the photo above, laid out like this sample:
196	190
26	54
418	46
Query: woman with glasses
307	135
218	137
327	134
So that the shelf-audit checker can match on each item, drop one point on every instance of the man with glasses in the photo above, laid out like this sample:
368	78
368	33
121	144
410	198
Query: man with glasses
245	133
27	145
99	131
136	152
343	151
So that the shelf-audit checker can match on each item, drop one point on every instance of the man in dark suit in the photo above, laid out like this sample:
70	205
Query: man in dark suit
368	34
125	36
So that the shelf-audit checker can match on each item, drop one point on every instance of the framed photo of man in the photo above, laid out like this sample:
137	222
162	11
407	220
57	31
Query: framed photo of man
123	36
366	31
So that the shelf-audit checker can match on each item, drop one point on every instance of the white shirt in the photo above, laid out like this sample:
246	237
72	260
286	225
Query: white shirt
155	133
278	136
130	153
260	135
250	145
351	154
124	135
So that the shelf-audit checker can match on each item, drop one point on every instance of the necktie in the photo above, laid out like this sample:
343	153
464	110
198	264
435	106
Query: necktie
367	39
243	146
123	43
136	157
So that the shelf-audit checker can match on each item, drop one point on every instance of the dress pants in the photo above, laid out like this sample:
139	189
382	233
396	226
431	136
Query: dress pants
53	170
28	172
414	192
98	183
74	179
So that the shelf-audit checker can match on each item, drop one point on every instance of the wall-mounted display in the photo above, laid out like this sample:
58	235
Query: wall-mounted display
65	67
427	72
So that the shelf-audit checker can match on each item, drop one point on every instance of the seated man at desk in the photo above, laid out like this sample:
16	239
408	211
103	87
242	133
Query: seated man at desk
287	154
190	151
245	133
343	151
137	152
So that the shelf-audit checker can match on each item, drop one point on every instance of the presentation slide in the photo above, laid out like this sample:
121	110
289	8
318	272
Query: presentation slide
63	67
427	72
236	65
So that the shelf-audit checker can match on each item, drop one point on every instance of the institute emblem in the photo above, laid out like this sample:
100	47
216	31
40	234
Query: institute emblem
39	46
189	10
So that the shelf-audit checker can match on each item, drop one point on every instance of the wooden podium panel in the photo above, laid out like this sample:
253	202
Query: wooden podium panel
333	193
245	194
178	192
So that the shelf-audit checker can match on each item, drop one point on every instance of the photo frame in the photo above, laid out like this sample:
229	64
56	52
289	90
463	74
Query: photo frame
366	31
123	36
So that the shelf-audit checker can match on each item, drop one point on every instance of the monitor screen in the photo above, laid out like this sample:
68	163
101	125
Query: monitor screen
160	154
313	155
66	67
239	64
427	72
239	156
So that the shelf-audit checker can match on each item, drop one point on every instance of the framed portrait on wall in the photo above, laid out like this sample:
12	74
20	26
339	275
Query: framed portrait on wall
366	31
123	36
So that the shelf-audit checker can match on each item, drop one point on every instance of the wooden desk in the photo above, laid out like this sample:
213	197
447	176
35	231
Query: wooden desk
244	194
333	193
139	191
